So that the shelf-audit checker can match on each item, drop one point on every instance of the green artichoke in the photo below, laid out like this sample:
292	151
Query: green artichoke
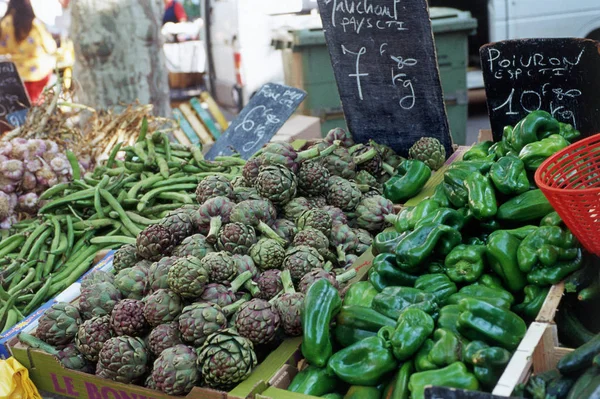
213	186
257	320
212	215
251	169
68	356
344	239
98	300
98	276
180	223
162	306
371	213
123	359
194	245
125	257
199	320
430	151
336	214
340	135
315	239
259	214
225	295
127	318
175	371
312	179
245	193
158	271
277	184
236	238
59	324
364	178
154	242
301	259
318	274
92	335
290	305
267	254
315	218
340	163
225	359
285	229
279	154
133	282
221	268
295	207
365	239
343	194
163	337
187	277
316	202
269	284
238	182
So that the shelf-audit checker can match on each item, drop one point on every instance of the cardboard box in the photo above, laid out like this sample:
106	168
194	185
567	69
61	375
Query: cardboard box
299	127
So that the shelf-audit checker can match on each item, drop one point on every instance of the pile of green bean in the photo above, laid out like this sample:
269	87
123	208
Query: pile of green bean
105	209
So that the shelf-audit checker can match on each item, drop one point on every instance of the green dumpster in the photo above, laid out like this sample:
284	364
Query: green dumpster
307	66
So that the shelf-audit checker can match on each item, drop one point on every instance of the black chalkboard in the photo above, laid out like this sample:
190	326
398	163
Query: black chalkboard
453	393
13	96
385	66
258	122
17	118
561	76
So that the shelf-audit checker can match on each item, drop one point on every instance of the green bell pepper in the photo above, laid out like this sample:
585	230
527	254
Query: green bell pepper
523	231
315	381
385	242
479	151
436	284
417	246
422	362
545	246
479	165
533	301
497	326
332	396
499	149
362	392
489	364
509	176
494	296
552	219
465	263
363	318
439	196
454	186
398	389
554	274
346	336
474	241
410	179
413	328
365	362
448	317
534	127
532	205
409	216
455	375
481	196
471	349
447	348
568	132
321	304
533	154
360	293
501	252
491	281
384	273
446	216
435	268
393	300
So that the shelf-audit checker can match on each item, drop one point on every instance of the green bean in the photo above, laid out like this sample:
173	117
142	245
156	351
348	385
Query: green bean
113	155
163	166
145	183
154	192
80	185
179	197
116	171
176	163
123	240
160	208
166	146
31	239
11	320
76	171
80	195
97	200
134	167
175	153
93	224
10	244
143	130
186	179
192	169
139	151
53	247
64	271
35	248
5	296
122	215
54	190
62	245
41	261
91	181
70	235
39	296
25	298
24	282
137	218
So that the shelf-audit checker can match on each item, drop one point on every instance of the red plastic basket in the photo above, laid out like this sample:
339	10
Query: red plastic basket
570	179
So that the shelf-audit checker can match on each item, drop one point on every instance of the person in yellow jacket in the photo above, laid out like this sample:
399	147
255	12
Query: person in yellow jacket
29	45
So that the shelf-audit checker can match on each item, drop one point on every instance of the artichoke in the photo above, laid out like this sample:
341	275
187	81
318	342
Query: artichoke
312	179
245	193
133	282
277	184
315	218
430	151
245	263
175	371
212	215
127	318
154	242
125	257
349	261
123	359
199	320
97	276
315	239
224	295
158	271
295	207
336	214
59	324
251	169
98	300
339	135
163	337
213	186
236	238
92	335
371	213
267	254
259	214
187	277
316	202
367	158
238	182
162	306
285	229
289	305
318	274
68	356
365	239
279	154
343	194
269	284
194	245
340	163
364	178
257	320
344	239
221	268
225	359
300	260
179	223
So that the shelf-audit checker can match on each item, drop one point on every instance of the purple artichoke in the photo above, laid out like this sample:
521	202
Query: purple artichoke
312	179
343	194
286	229
290	305
371	213
257	320
213	186
212	215
127	318
236	238
162	306
259	214
269	283
300	260
163	337
277	184
221	267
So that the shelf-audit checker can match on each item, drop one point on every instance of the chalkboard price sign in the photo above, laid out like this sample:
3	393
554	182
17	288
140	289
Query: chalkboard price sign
555	75
385	67
17	118
13	96
258	122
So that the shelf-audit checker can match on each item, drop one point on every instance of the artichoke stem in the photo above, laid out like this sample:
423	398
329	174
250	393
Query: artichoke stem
364	188
288	285
328	266
35	342
231	309
347	276
366	156
341	255
391	218
270	233
252	288
315	152
240	280
215	226
389	169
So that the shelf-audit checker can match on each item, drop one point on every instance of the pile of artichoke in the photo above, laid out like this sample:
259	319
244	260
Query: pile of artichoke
212	285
